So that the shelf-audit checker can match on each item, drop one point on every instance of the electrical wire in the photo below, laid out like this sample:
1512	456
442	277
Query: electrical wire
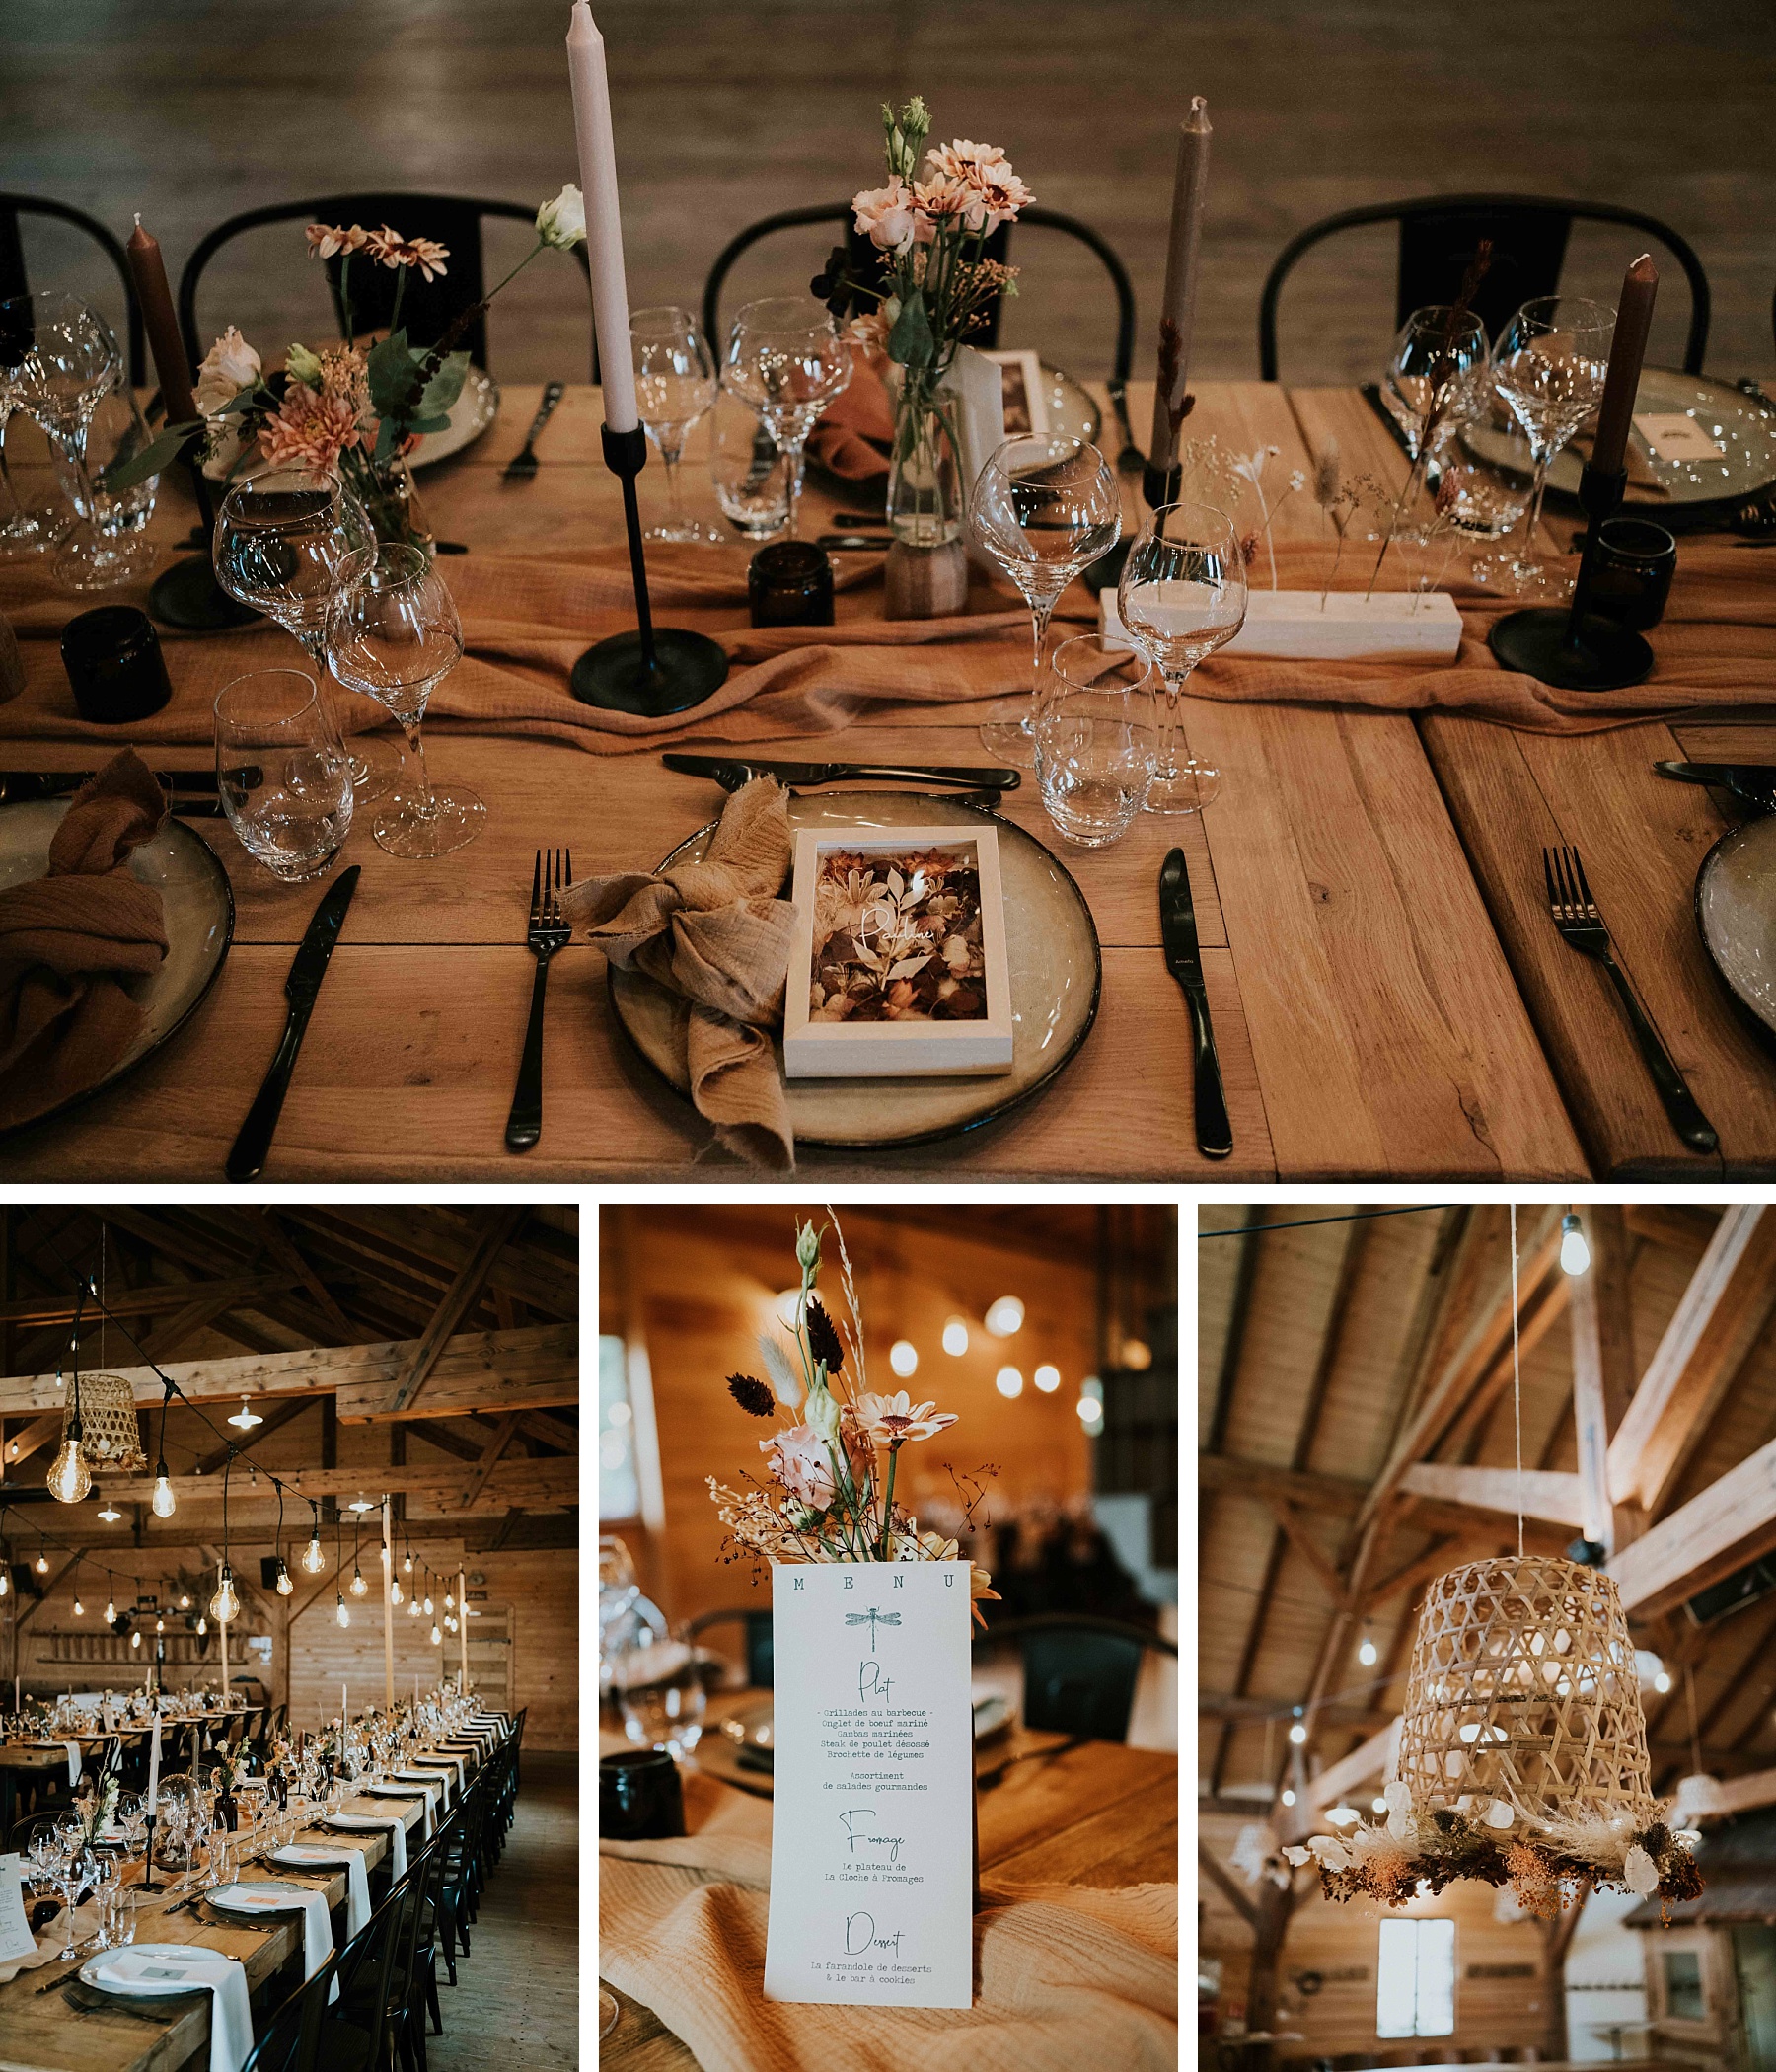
1361	1216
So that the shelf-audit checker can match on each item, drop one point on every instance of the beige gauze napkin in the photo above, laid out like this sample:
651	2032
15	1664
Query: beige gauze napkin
714	934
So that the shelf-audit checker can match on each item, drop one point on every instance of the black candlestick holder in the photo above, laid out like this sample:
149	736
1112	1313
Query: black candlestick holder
655	670
188	595
1575	649
148	1884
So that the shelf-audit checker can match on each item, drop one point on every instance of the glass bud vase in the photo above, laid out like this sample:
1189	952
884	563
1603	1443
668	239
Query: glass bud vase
924	476
392	504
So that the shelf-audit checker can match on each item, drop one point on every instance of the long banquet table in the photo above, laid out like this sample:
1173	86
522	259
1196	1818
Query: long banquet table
1389	996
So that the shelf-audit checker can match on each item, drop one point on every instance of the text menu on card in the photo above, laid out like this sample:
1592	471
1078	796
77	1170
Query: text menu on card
872	1817
15	1937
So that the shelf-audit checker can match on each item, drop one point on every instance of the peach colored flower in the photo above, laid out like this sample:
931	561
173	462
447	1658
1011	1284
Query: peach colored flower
889	216
394	250
987	171
310	430
327	239
890	1420
799	1460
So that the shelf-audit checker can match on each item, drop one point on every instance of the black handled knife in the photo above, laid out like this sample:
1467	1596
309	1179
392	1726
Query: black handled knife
1178	933
1755	783
300	989
731	772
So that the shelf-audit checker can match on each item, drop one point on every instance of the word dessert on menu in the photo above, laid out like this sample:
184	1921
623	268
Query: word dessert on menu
873	1822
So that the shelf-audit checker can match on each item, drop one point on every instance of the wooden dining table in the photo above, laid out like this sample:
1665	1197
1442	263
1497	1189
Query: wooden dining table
43	2030
1389	997
1051	1810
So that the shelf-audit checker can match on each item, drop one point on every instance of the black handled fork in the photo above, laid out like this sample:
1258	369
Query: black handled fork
549	933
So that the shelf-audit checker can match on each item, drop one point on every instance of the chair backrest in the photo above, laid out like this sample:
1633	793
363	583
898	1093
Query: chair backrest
14	280
427	308
760	1666
1080	1673
25	1831
865	261
412	1889
292	2039
366	1964
1440	235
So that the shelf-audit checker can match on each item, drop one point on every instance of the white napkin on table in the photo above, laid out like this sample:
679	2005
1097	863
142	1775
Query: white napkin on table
159	1967
435	1786
458	1768
367	1823
420	1796
73	1749
317	1856
263	1896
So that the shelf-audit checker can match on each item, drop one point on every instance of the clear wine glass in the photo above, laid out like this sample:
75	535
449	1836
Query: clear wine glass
1045	509
393	633
114	554
675	386
1438	368
282	538
1549	368
1182	595
787	360
282	773
33	528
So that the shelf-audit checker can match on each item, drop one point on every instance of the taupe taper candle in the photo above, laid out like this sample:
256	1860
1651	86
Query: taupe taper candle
387	1572
173	370
1178	308
1627	351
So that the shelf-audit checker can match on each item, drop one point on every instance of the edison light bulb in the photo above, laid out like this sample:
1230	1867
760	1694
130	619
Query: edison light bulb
285	1587
313	1560
437	1637
42	1564
202	1625
407	1566
1574	1253
160	1625
164	1503
428	1607
110	1611
225	1604
79	1608
394	1591
341	1614
70	1478
184	1600
1367	1653
4	1580
359	1587
449	1601
412	1608
135	1640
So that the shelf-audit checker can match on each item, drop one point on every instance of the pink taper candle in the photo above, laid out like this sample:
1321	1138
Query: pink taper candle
604	222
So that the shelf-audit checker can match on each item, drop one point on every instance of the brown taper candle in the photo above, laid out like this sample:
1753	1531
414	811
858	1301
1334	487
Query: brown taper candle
1179	306
1627	349
171	366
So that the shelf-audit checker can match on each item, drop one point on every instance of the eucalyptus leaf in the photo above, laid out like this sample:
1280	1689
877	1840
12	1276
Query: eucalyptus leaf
154	457
393	370
445	386
910	341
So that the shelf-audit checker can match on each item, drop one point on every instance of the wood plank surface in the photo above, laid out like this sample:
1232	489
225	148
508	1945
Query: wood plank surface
1366	995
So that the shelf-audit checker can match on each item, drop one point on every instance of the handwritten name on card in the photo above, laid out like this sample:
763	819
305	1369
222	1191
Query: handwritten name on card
872	1819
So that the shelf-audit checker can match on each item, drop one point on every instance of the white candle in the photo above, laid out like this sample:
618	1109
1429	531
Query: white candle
604	222
1178	308
345	1710
154	1768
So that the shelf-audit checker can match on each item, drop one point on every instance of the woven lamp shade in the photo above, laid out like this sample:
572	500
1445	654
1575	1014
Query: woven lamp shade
1523	1689
109	1437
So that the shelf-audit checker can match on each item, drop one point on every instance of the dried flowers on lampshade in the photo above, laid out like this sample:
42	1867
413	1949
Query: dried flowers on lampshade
830	1496
1522	1751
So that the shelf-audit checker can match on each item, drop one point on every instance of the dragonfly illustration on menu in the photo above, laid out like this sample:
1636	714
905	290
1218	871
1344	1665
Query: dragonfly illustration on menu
870	1618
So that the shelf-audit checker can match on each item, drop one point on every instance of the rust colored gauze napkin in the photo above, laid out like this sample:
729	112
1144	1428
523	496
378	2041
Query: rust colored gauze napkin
852	437
715	936
71	941
1067	1974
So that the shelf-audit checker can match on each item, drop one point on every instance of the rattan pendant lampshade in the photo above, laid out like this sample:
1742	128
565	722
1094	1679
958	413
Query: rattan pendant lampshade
109	1437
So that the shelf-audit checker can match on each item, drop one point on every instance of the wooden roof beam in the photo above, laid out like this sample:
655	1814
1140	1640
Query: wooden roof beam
1602	1329
494	1229
1730	1523
1540	1493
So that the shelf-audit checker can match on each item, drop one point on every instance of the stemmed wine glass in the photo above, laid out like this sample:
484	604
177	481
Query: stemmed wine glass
1045	509
675	385
1182	595
787	360
23	531
1549	367
1433	382
393	633
282	538
72	364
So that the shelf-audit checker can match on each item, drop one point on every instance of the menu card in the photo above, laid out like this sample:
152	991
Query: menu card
872	1819
15	1937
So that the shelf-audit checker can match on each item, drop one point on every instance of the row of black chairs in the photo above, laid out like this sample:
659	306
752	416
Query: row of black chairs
1439	237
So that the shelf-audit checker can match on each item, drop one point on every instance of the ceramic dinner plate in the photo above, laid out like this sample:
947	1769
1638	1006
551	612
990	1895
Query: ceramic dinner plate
1736	912
1072	414
1052	946
263	1896
1744	428
198	904
94	1971
750	1727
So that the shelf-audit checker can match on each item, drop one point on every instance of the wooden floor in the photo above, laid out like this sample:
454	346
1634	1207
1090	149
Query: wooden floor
190	109
516	2004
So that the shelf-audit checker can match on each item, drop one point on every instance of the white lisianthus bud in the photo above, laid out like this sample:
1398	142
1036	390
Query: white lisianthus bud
230	366
562	221
822	1414
808	1249
303	366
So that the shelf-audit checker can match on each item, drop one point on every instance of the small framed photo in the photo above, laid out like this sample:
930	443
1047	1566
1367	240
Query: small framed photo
1021	380
899	965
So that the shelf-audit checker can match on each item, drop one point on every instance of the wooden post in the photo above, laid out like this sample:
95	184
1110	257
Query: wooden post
463	1624
1603	1375
388	1576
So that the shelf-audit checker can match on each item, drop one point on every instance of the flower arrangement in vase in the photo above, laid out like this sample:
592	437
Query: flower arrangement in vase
832	1470
935	287
356	410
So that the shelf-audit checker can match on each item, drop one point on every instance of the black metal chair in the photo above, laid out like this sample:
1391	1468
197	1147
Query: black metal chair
1439	237
865	258
353	2033
759	1663
292	2039
15	280
1080	1673
427	308
403	2022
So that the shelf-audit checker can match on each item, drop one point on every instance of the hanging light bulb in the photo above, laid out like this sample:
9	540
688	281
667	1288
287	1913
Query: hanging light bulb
449	1601
70	1478
135	1640
160	1624
394	1591
340	1613
202	1625
110	1514
111	1610
42	1564
313	1560
359	1587
407	1566
164	1503
285	1587
184	1600
225	1605
1574	1253
79	1608
4	1579
1368	1653
245	1417
437	1637
412	1608
428	1607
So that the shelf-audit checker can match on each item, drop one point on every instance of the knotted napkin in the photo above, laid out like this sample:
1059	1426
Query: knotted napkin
714	934
71	941
852	436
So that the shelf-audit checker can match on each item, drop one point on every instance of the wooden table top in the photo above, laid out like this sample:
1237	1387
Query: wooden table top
44	2031
1388	996
1096	1814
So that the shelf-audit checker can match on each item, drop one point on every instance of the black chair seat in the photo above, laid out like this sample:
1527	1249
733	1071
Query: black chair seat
14	280
1440	236
758	1652
1080	1673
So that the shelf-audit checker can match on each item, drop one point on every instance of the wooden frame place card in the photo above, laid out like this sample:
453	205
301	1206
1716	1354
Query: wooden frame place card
872	1814
898	965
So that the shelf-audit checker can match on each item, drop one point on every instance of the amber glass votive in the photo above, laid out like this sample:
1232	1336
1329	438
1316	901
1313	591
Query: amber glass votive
1631	577
790	583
